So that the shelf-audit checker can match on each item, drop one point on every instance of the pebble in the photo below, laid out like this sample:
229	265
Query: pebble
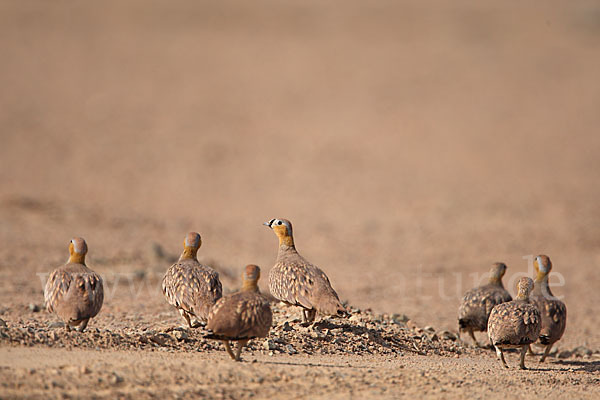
565	354
115	379
448	335
181	335
84	370
354	318
287	327
269	345
159	340
2	324
290	349
34	307
582	351
400	318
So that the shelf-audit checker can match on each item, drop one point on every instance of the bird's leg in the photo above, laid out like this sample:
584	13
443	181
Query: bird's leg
523	352
304	317
83	324
530	351
546	352
473	337
240	345
311	315
186	316
67	326
228	348
500	355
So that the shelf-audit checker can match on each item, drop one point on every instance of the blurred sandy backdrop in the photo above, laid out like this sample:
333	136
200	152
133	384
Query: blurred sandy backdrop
410	143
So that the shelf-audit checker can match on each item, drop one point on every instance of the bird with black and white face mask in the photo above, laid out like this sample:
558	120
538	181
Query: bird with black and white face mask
295	281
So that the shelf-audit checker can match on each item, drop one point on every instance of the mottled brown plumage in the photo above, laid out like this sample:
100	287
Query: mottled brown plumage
190	287
241	316
73	291
515	323
297	282
477	303
552	310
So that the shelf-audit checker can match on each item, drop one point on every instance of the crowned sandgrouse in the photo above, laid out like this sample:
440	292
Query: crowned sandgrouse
73	291
189	286
295	281
241	316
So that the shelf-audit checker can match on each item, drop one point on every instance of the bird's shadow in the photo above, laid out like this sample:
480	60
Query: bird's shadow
587	366
312	364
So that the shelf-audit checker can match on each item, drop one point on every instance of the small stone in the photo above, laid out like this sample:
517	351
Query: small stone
3	324
115	379
290	349
159	340
400	318
287	327
269	345
565	354
54	335
84	370
181	335
448	335
354	318
34	307
582	351
429	329
56	325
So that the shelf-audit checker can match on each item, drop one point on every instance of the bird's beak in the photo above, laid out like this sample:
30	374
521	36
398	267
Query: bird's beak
268	223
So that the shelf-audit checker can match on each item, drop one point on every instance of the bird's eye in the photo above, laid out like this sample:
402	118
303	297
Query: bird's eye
278	222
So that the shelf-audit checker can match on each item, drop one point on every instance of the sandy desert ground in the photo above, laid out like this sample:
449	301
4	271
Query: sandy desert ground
412	144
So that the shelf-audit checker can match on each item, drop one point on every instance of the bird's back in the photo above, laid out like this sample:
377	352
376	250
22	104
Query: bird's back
193	287
242	315
74	292
515	322
554	318
477	304
296	281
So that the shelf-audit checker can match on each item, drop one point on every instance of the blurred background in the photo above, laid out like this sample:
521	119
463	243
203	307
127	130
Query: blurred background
411	143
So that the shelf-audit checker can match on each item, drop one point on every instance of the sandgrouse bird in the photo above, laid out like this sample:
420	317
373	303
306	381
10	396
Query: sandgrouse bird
552	310
190	287
73	291
477	303
297	282
241	316
516	323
